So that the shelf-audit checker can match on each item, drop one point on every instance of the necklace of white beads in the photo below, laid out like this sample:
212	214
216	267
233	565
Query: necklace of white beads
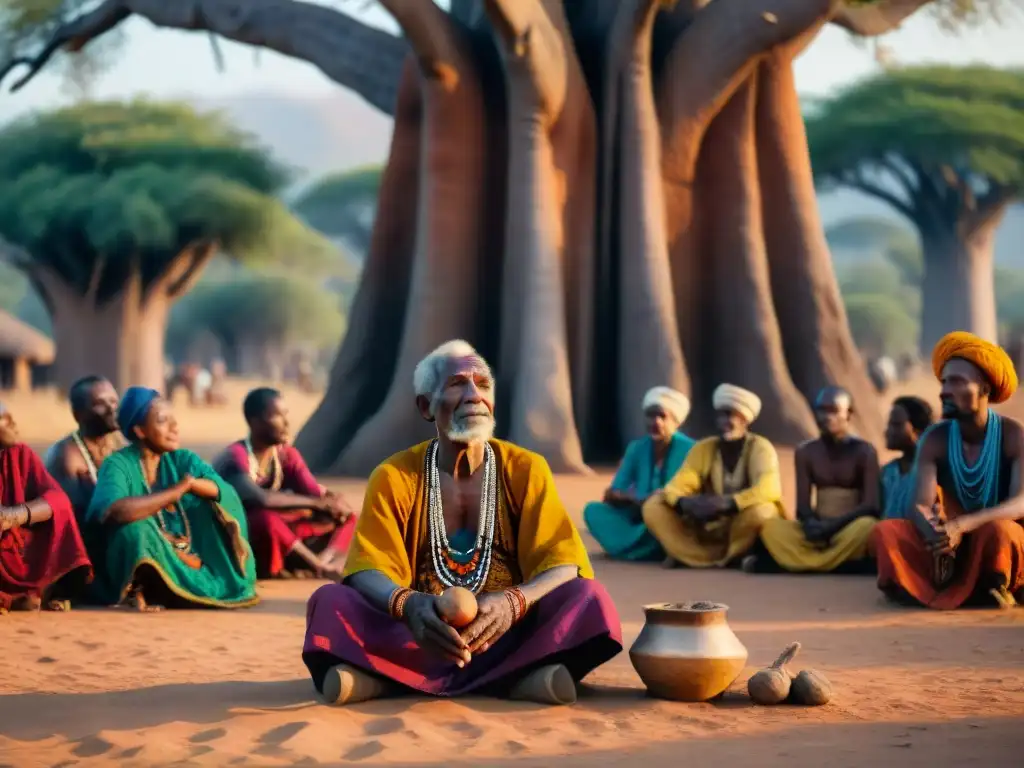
440	549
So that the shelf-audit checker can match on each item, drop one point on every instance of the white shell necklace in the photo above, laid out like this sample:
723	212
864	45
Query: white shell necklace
86	454
455	568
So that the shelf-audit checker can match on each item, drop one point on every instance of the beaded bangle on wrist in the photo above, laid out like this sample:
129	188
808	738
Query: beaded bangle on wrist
28	514
396	603
517	601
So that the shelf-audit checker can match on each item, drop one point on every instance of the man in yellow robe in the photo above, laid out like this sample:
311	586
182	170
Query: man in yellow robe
461	510
837	504
711	512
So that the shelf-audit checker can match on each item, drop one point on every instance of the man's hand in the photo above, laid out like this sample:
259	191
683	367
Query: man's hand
430	630
947	538
815	529
337	507
493	619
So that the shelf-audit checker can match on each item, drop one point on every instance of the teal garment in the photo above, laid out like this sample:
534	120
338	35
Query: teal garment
620	530
219	534
897	491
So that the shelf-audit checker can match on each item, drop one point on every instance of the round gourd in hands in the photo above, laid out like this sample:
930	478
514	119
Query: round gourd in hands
457	607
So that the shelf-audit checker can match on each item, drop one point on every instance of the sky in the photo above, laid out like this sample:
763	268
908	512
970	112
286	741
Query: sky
170	64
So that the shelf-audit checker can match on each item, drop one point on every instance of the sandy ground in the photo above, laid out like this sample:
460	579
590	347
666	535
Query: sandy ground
100	687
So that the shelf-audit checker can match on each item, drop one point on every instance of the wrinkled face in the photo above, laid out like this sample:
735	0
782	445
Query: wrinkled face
464	408
660	424
160	429
900	434
964	389
274	427
100	414
8	429
832	412
731	424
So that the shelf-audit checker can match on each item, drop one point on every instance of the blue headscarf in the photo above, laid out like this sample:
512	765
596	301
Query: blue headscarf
135	405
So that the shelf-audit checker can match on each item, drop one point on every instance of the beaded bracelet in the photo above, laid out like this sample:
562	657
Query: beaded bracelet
517	601
396	603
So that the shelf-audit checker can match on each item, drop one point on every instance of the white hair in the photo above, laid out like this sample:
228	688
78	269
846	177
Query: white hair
427	378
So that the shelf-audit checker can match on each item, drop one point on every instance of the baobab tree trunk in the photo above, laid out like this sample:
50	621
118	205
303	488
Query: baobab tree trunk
122	336
722	268
959	281
441	301
816	337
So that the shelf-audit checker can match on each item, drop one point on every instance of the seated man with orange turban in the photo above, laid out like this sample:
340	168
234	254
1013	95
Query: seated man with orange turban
711	512
964	542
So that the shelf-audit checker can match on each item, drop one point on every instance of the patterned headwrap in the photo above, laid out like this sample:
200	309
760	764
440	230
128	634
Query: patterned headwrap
990	358
135	405
734	398
673	402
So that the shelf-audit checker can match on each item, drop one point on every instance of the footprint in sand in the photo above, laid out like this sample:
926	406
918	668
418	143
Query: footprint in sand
514	747
363	751
279	735
45	660
467	729
384	726
26	632
129	753
589	727
92	746
209	735
202	749
89	646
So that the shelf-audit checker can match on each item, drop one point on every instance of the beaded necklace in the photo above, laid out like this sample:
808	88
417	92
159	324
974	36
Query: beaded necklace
86	454
461	568
183	544
977	487
276	470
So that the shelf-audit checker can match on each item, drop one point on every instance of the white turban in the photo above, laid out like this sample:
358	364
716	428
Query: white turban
733	398
673	402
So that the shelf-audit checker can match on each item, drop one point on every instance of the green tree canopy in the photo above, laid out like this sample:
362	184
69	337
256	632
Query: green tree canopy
880	324
101	194
260	309
343	205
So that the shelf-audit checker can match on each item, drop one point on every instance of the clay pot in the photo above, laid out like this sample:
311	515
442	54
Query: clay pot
686	651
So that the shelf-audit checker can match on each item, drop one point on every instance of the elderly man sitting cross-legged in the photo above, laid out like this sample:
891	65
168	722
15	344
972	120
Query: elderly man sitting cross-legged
467	510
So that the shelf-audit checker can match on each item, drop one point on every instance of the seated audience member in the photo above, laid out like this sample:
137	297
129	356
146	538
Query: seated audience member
174	532
74	461
908	420
463	509
711	512
649	462
964	542
837	505
42	557
294	524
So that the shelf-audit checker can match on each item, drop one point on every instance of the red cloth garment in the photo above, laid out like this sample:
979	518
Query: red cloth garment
35	557
273	533
991	557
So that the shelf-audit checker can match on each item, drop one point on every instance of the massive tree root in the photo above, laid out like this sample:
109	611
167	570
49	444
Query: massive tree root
516	121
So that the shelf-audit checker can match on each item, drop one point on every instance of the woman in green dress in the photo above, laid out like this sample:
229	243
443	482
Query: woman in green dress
647	465
173	532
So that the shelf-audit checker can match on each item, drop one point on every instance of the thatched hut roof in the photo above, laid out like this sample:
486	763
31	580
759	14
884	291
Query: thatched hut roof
20	340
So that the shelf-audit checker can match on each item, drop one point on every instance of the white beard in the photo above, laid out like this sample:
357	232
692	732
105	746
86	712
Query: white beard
461	432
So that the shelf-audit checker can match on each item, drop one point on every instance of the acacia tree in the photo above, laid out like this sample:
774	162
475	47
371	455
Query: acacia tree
600	194
115	210
945	148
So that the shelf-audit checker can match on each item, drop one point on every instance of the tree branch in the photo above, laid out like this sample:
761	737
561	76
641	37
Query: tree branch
431	34
354	55
182	272
872	20
856	180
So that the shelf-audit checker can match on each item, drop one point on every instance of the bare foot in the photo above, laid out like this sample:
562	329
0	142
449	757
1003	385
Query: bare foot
1004	598
134	601
57	606
548	685
26	604
344	684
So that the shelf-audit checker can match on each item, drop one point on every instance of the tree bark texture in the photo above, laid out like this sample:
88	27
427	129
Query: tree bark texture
517	121
959	282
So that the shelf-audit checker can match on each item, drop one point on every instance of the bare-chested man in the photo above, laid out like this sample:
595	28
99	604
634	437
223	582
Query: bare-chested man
837	498
75	460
